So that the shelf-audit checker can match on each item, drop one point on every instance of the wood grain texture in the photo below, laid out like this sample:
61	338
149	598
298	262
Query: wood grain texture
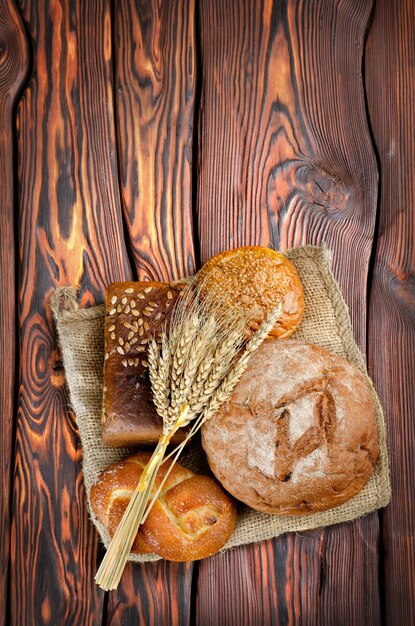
70	231
285	158
155	77
14	65
390	81
152	595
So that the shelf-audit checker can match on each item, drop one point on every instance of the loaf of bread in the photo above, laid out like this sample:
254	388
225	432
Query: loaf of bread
191	519
250	282
134	312
299	432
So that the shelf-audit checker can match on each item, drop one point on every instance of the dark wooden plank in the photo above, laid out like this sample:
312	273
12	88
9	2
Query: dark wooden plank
390	81
285	159
70	231
14	65
155	75
151	595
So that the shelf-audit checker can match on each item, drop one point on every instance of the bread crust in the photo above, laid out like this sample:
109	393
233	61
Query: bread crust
135	311
252	280
192	518
300	427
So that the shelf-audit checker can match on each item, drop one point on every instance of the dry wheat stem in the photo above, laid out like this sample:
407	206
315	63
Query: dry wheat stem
191	376
222	394
110	571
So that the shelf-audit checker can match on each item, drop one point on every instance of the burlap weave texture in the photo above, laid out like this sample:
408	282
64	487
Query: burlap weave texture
325	323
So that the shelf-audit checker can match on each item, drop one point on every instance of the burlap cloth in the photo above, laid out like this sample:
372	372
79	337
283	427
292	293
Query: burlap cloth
325	323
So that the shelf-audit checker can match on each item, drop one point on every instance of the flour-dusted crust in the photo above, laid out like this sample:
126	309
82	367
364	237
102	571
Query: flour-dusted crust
298	433
251	281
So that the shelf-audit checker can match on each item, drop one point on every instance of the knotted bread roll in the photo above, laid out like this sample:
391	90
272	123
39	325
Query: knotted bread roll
191	519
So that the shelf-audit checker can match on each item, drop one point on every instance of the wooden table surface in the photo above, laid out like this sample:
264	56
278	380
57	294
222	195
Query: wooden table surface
138	138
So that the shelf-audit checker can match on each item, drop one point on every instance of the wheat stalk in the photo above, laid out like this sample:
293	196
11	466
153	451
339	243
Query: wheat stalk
192	375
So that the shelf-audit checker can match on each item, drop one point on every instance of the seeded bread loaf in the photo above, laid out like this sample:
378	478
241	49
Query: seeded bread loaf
191	519
250	281
298	433
135	311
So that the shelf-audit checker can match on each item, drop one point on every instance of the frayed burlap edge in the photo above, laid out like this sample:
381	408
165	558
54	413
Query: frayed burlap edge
81	341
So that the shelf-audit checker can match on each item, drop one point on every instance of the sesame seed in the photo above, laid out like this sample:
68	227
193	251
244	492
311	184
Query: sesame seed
141	296
144	363
130	335
113	311
127	309
148	308
127	325
135	312
130	361
146	326
143	342
111	328
121	341
140	349
158	315
129	290
147	313
132	304
133	341
136	362
120	350
127	346
124	300
106	355
140	321
119	308
148	289
113	299
141	331
154	304
112	335
124	362
169	295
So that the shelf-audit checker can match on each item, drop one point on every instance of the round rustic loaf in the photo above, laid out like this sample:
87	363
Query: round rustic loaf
299	432
191	519
251	281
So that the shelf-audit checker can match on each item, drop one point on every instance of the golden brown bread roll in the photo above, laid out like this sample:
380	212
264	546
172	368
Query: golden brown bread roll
134	312
252	280
298	433
191	519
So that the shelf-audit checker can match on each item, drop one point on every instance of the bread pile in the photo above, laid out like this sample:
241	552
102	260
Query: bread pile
297	435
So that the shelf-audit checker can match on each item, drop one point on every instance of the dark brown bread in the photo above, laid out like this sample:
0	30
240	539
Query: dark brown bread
191	519
134	313
299	432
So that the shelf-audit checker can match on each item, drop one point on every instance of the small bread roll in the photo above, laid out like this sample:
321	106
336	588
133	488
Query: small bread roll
191	519
298	433
251	281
